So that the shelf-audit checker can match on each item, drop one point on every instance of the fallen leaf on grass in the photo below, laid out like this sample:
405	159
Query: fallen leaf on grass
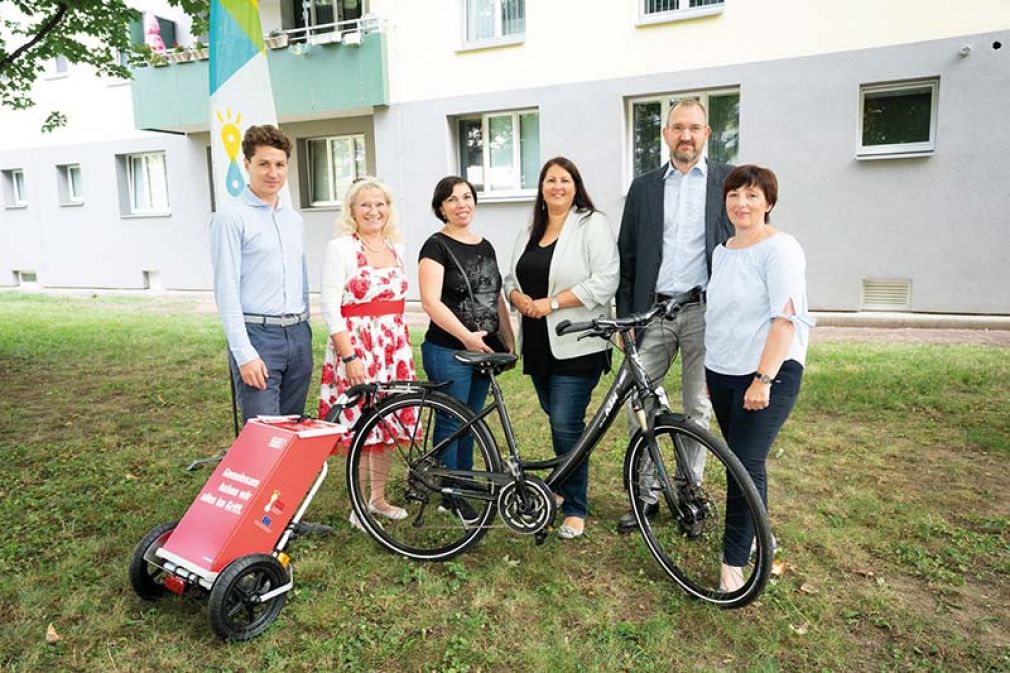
779	567
800	629
807	588
131	477
51	636
864	572
728	660
880	581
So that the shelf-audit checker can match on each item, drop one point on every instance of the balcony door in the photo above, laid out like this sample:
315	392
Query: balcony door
323	13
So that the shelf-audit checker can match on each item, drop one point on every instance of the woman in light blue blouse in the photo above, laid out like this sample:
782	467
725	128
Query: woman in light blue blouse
756	332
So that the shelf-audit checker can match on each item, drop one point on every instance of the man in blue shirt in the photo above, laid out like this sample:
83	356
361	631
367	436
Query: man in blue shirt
673	218
261	283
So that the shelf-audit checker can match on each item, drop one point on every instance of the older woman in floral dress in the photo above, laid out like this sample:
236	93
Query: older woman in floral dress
363	292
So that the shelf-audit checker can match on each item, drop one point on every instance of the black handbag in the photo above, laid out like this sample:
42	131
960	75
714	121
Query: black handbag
494	341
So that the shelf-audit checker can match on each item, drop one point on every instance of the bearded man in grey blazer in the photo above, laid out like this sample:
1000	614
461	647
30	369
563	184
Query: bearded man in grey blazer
673	219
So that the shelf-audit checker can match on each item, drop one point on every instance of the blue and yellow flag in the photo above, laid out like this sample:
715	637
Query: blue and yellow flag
240	92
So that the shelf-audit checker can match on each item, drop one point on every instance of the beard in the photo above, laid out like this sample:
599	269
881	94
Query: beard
685	153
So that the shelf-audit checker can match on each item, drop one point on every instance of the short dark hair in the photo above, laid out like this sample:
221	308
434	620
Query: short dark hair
268	135
749	175
443	190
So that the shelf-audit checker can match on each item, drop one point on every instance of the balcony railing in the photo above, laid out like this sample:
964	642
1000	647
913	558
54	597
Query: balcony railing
299	39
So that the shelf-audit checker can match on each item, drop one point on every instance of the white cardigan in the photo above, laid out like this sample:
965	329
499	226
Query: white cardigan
585	261
340	262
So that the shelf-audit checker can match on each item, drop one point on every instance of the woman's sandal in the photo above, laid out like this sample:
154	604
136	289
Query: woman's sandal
730	578
390	512
566	532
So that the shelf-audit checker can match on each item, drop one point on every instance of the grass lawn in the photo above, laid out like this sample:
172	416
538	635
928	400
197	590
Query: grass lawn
888	491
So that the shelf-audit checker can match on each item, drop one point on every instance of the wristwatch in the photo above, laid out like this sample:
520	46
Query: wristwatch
555	305
763	378
348	359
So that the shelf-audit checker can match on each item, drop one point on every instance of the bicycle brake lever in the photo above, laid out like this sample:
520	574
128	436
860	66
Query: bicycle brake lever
593	333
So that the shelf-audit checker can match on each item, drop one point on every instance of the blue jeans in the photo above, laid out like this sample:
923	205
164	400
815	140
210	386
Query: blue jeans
466	386
564	399
287	353
749	435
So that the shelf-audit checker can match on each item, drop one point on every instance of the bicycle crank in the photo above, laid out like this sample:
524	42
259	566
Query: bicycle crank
532	517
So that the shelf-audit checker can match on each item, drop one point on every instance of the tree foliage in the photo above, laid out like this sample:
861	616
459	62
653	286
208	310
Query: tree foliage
92	32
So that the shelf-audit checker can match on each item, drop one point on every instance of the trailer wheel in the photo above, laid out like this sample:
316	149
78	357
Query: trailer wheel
235	608
148	578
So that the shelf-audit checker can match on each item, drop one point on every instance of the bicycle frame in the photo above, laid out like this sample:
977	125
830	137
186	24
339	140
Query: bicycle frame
631	377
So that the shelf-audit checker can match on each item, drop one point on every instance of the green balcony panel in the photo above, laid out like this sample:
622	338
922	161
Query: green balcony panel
321	82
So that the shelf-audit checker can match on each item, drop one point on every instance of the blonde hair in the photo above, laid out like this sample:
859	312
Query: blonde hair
346	223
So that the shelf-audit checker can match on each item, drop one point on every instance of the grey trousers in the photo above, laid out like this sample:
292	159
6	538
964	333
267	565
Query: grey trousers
660	344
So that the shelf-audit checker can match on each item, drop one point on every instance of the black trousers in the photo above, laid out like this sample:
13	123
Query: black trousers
750	435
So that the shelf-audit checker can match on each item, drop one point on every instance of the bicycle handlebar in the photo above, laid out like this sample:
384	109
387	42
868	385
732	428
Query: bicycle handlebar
605	327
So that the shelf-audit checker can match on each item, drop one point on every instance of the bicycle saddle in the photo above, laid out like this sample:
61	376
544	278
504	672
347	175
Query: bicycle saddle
496	361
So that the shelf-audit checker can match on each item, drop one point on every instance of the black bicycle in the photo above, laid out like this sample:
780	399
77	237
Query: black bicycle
450	510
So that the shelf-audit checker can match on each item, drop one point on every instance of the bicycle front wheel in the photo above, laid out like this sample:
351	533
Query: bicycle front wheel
684	521
432	516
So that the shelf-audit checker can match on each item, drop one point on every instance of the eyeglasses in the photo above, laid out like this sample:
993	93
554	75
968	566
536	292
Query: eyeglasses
695	129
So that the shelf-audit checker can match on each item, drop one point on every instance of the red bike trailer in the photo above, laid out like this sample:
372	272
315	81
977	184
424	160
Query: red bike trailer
230	542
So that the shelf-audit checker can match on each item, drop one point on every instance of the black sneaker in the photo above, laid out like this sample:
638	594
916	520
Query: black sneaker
628	522
306	529
459	507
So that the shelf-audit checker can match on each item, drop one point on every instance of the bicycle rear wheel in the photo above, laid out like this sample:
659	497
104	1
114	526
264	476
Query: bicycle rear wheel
686	534
437	526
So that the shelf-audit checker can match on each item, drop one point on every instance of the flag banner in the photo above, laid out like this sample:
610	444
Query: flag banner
240	92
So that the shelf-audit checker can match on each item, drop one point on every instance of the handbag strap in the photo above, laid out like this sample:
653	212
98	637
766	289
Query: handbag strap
466	278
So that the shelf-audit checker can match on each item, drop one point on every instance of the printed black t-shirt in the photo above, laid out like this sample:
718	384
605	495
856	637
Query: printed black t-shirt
481	266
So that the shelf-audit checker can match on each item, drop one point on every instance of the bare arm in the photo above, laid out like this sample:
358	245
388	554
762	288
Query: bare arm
777	345
542	307
431	274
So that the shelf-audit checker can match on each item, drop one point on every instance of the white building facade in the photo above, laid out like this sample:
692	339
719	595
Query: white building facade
881	120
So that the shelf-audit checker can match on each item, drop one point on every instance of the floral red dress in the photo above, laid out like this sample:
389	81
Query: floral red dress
381	342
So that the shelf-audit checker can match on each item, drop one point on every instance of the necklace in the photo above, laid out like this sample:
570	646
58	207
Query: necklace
381	248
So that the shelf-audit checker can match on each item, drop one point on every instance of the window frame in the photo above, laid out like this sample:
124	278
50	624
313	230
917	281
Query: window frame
899	150
664	100
19	194
145	157
679	14
516	192
337	200
498	40
72	195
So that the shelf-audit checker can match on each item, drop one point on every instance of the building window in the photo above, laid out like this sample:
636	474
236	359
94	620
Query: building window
898	119
659	11
147	183
334	163
493	21
18	186
320	16
71	188
647	116
499	153
15	194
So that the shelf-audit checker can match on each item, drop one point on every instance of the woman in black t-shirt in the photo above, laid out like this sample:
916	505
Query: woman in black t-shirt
467	312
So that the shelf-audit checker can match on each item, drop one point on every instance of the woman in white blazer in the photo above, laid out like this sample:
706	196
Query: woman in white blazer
564	267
